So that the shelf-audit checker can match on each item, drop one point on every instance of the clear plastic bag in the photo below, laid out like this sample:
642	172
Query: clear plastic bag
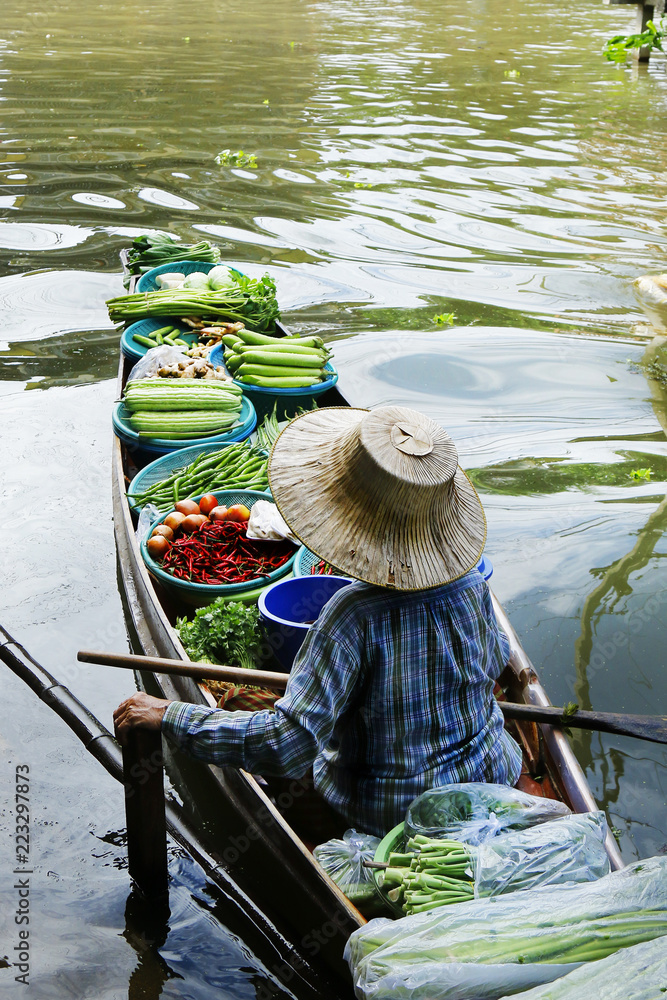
149	514
567	849
475	811
343	860
156	358
638	972
490	948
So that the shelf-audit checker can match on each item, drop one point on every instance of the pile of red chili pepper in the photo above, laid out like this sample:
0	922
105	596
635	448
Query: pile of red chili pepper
321	568
219	552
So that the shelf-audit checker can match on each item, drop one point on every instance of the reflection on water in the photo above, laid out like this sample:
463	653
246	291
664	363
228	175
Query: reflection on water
411	161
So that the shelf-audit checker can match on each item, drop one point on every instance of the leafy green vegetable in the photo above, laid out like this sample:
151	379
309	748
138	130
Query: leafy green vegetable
149	251
224	632
226	158
617	48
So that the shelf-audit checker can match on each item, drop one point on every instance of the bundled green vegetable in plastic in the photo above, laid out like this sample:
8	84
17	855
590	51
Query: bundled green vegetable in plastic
636	973
342	860
441	872
474	811
488	948
152	250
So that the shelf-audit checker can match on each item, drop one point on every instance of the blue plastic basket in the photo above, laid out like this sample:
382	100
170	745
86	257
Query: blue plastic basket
146	282
288	608
145	450
306	560
287	401
201	594
161	468
131	349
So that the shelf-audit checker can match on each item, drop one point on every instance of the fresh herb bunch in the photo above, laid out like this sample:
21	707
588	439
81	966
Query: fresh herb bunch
149	251
224	632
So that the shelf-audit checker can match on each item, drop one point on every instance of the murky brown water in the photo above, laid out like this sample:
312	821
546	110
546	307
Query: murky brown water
413	161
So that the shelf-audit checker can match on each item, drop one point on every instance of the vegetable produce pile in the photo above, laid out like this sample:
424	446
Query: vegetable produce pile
488	948
275	362
163	335
149	251
342	860
225	632
239	299
635	973
474	811
207	543
437	872
432	874
178	409
193	368
236	466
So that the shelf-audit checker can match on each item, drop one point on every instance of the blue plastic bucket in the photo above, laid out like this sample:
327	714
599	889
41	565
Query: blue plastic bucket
287	401
288	608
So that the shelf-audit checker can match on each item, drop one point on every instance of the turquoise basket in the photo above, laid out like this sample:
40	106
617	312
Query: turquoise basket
162	468
145	450
131	349
306	560
287	401
201	594
146	282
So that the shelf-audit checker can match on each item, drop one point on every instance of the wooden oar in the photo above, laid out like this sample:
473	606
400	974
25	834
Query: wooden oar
205	671
642	727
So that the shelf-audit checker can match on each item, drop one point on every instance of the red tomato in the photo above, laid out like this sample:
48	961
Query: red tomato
208	503
237	512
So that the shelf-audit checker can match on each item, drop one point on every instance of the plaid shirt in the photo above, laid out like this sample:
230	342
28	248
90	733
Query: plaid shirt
390	694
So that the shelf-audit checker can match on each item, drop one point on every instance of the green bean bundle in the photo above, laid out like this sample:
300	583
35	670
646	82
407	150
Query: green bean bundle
236	466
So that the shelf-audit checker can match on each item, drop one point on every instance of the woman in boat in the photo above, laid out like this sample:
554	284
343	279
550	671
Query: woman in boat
391	692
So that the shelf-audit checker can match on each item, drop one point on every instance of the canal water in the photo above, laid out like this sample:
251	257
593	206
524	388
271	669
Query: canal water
458	198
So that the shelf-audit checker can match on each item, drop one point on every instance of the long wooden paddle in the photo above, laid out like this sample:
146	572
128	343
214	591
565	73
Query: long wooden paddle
642	727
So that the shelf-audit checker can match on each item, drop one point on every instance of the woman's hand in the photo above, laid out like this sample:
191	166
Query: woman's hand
140	711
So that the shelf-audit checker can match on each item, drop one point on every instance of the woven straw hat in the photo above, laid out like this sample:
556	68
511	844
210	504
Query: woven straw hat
379	495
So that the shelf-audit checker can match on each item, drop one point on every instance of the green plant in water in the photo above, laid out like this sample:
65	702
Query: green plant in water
444	319
226	158
617	48
641	474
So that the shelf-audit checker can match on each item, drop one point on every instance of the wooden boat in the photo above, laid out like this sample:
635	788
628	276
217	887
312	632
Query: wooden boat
242	825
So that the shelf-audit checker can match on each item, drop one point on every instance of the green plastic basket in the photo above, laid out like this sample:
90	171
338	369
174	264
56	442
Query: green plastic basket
393	841
201	594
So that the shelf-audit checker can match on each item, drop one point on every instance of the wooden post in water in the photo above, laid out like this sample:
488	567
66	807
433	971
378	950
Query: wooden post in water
143	777
645	12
